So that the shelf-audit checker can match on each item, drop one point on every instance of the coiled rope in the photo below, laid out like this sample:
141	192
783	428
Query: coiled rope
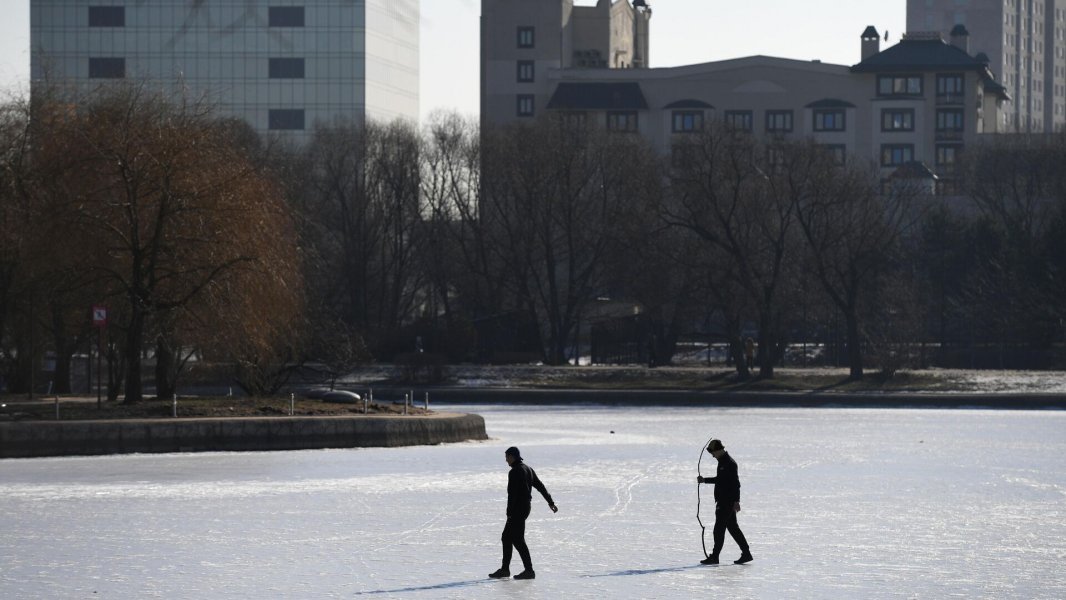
703	533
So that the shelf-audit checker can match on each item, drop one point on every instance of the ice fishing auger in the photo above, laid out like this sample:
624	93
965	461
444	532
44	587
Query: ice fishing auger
703	533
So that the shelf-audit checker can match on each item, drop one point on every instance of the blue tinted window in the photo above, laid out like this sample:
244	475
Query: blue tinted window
107	16
286	16
286	119
286	68
107	68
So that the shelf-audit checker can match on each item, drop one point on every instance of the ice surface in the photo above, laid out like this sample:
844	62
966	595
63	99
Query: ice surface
836	503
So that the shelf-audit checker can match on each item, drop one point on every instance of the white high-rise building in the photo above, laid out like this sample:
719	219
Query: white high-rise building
282	65
1025	42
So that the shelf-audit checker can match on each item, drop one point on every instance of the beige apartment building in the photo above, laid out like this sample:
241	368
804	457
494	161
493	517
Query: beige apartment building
1025	42
921	100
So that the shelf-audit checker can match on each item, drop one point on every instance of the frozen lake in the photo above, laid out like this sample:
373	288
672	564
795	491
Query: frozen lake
836	503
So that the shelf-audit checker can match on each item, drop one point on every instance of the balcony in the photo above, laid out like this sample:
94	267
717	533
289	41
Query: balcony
950	100
949	135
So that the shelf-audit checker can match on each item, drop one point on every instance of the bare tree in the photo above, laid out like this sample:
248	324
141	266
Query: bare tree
167	207
739	197
555	195
853	228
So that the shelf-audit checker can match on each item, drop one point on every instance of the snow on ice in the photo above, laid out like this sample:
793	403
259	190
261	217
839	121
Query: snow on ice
836	503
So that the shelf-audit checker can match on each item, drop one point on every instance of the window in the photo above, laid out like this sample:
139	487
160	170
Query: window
286	119
286	68
526	37
687	121
525	71
622	120
525	105
947	155
576	119
839	152
896	154
949	119
738	119
286	16
829	120
894	85
107	68
107	16
779	121
950	85
897	119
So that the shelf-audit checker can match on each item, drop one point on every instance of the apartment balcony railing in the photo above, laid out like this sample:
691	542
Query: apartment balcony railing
949	135
950	99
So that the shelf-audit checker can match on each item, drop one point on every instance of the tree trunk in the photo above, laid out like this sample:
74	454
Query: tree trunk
164	369
115	371
63	352
62	372
736	346
766	346
854	345
134	364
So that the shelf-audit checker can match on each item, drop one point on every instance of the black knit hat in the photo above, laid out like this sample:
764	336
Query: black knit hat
715	445
513	451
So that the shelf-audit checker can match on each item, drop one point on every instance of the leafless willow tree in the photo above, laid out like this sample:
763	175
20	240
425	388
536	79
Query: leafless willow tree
156	208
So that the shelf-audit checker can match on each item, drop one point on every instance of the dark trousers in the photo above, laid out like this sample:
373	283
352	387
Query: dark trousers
725	518
514	536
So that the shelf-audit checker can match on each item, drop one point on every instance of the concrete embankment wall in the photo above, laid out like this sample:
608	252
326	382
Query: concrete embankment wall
84	438
1018	401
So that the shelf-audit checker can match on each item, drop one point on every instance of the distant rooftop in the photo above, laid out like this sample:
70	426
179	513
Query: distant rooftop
922	51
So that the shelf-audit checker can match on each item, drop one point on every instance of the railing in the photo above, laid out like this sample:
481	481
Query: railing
943	99
949	135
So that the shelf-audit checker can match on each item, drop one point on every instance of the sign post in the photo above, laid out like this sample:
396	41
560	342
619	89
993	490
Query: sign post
100	322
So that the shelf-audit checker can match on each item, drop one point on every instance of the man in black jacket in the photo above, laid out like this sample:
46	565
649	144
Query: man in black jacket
727	500
520	483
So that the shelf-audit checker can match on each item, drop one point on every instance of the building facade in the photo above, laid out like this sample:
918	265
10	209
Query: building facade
920	101
523	40
282	65
1025	42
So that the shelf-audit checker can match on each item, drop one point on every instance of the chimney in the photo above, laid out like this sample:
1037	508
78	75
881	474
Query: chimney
871	42
960	38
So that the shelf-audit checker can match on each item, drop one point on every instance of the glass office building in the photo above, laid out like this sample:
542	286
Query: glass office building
282	65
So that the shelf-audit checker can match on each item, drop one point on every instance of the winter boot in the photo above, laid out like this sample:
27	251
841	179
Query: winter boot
745	557
527	574
503	573
710	560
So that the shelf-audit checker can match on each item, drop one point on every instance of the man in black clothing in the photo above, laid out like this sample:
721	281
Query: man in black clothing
520	483
727	500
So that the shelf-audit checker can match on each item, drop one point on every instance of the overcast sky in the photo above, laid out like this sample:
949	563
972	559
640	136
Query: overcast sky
682	32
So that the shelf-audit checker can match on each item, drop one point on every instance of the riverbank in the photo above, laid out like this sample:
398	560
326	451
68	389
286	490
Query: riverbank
721	379
716	398
84	408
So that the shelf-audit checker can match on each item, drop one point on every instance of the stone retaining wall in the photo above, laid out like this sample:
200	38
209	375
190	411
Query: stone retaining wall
82	438
743	399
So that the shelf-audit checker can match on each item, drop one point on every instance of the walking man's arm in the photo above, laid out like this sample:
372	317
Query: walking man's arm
543	491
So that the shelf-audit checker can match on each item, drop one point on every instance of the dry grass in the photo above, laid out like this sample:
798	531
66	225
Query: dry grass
189	407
